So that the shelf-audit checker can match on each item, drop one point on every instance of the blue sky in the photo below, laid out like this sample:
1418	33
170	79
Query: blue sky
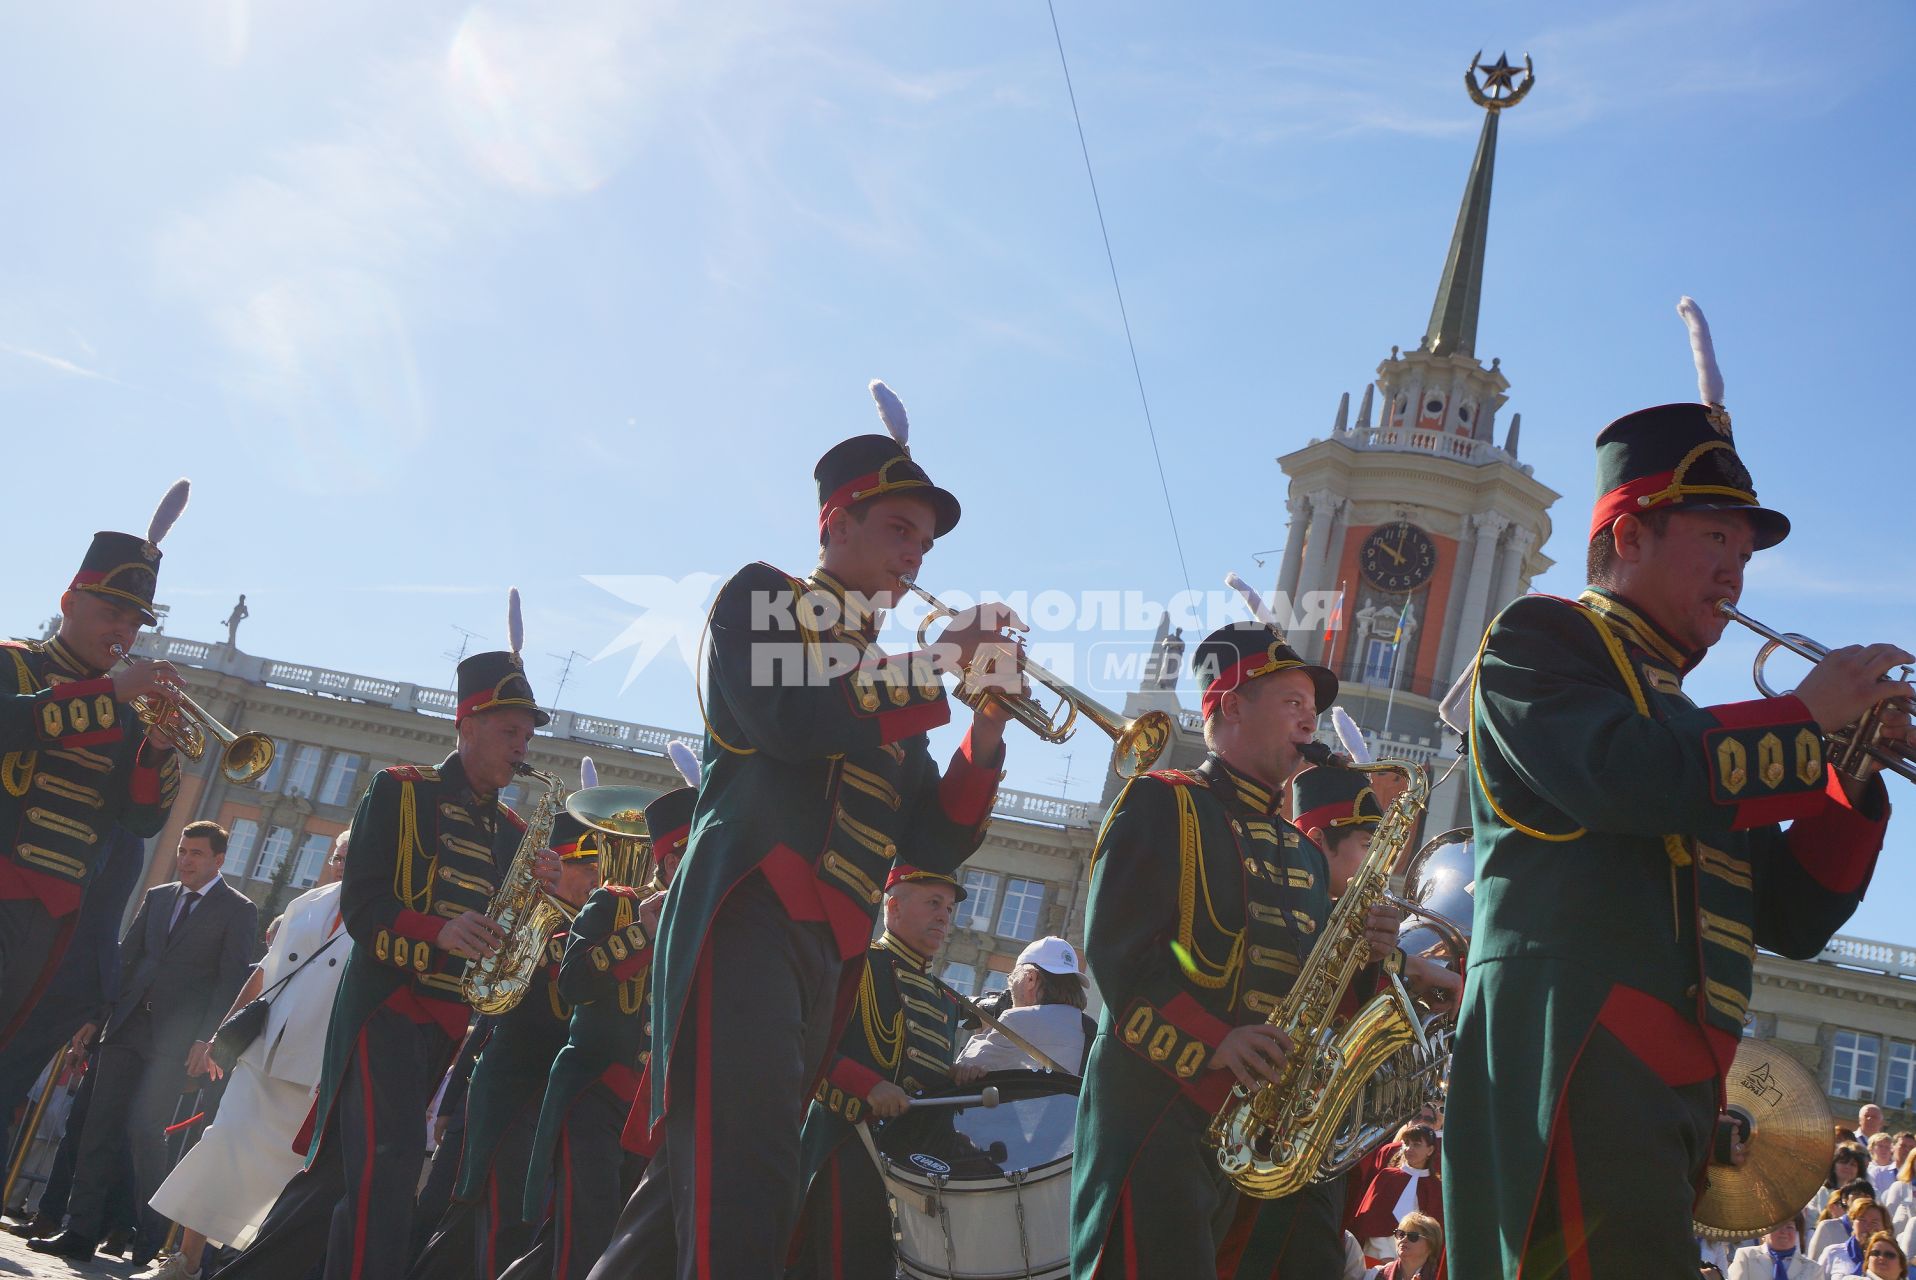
433	299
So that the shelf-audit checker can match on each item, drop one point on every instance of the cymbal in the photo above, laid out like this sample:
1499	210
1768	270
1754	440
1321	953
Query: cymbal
1788	1153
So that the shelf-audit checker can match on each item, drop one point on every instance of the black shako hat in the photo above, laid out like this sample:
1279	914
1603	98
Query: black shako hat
121	567
873	466
1328	796
498	679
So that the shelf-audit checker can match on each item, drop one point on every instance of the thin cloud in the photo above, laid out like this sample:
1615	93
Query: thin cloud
56	363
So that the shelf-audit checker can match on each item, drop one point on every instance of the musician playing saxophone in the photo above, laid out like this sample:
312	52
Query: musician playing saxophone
1204	904
1629	862
430	847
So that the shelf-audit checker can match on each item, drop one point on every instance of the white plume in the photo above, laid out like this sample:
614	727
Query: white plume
891	412
1350	735
1454	710
588	774
1252	599
1709	379
685	760
169	510
515	622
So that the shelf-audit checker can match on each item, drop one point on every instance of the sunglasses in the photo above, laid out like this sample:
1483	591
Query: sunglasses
1408	1237
1883	1253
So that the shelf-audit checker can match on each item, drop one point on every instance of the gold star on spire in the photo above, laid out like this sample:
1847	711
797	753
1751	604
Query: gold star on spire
1501	76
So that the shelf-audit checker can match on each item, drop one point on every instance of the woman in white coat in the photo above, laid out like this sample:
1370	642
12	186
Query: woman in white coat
1783	1242
223	1187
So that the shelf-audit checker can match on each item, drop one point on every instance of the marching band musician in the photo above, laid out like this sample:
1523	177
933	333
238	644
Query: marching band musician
579	1167
487	1225
73	759
899	1043
430	848
1204	904
1629	862
816	773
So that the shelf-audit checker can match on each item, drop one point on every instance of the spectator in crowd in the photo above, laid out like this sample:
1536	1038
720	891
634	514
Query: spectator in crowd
1845	1258
1900	1199
1905	1143
1882	1161
1419	1239
222	1188
1708	1270
1846	1166
1833	1226
1047	1008
1403	1187
1884	1259
1778	1257
182	961
1869	1122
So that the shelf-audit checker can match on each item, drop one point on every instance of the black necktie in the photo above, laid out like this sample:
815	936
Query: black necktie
186	909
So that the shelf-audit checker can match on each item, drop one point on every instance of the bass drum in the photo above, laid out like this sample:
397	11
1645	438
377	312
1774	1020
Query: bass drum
984	1193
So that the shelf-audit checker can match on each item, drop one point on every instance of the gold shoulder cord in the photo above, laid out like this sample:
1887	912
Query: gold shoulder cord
1477	760
879	1037
1192	883
698	686
1673	846
16	771
416	899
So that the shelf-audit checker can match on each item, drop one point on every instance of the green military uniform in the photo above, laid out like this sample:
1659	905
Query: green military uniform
1300	1234
905	1030
74	762
426	848
816	773
1629	862
1204	903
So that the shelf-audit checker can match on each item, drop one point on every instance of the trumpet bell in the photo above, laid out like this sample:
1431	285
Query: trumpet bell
612	811
247	757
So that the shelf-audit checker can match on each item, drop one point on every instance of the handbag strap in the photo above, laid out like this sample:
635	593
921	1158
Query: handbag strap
317	952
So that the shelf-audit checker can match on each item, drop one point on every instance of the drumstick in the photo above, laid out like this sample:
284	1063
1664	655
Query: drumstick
1037	1055
987	1098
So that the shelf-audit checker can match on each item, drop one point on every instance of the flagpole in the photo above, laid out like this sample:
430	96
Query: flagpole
1396	651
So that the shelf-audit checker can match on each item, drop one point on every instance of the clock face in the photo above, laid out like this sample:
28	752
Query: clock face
1398	557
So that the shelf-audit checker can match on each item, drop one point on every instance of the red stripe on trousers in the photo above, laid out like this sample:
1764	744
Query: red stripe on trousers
1130	1235
492	1220
361	1209
702	1123
563	1226
1576	1241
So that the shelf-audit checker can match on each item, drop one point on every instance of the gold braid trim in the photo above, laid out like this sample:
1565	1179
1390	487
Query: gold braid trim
16	771
1673	846
416	899
1192	883
878	1035
1677	489
1477	759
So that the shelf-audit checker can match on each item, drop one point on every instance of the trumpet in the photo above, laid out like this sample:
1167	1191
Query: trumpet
1136	744
1851	745
183	724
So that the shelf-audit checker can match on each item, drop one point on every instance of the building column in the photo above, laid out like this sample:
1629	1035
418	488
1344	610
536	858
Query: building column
1296	504
1317	564
1454	603
1510	578
1490	526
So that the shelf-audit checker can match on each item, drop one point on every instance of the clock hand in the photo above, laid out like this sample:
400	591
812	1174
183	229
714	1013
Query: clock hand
1391	551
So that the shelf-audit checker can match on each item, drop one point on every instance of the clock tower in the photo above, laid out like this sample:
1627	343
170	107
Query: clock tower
1420	524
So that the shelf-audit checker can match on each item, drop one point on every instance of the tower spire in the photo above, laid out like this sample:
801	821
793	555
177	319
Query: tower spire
1453	317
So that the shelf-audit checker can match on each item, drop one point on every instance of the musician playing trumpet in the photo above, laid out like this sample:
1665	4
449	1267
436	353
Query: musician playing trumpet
74	760
1630	859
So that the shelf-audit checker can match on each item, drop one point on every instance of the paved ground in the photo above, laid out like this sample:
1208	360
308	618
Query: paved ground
18	1260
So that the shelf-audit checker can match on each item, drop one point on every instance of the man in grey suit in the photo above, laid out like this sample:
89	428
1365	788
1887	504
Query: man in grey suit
181	963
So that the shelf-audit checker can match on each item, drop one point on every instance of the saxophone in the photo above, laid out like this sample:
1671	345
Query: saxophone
524	912
1273	1140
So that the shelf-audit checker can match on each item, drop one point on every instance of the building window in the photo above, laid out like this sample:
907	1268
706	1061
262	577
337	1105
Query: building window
312	856
1899	1076
981	888
996	981
303	776
1019	918
272	851
239	845
1379	657
275	772
1852	1064
342	775
961	978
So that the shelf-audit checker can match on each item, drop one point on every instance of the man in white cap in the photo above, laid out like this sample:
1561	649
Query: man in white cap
1047	1008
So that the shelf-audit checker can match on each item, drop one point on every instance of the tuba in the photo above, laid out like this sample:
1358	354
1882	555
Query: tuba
1135	744
185	725
524	912
618	815
1437	900
1274	1139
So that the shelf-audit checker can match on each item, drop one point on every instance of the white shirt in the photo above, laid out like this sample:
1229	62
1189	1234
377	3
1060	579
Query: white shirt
1880	1176
179	903
1058	1029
